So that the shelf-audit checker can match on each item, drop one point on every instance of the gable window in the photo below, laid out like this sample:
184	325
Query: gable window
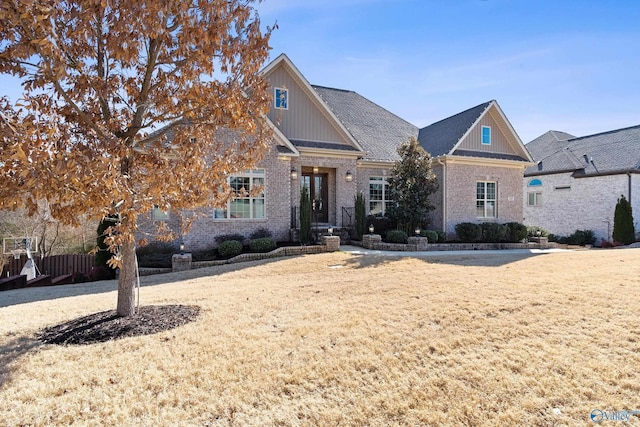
535	183
486	135
281	98
379	201
486	205
245	205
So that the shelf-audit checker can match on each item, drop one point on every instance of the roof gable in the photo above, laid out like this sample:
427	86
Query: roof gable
307	118
547	143
460	135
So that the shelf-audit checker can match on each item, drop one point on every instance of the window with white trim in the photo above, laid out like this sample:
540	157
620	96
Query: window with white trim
281	98
534	198
245	205
486	135
486	201
379	201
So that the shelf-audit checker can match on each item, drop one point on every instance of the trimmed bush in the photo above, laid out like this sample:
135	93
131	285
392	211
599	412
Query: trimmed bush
532	231
381	224
492	232
156	254
203	255
263	244
305	215
226	237
582	238
515	232
468	232
431	235
623	227
442	236
229	248
396	236
260	233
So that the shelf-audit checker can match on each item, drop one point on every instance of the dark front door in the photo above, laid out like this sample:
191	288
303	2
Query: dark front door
319	192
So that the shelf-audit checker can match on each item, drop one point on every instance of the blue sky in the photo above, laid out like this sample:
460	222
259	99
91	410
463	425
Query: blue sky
569	65
564	65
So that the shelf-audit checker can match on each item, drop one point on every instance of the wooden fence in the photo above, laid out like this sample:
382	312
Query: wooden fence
57	265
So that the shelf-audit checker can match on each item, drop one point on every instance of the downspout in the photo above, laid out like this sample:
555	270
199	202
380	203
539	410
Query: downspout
444	194
629	185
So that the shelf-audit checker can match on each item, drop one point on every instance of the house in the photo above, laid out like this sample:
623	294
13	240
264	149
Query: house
338	143
576	182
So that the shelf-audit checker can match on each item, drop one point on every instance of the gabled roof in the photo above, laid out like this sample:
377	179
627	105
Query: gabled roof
441	137
616	151
378	131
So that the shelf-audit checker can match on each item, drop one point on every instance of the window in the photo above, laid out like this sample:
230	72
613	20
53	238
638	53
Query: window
159	214
535	183
245	206
535	199
486	135
486	200
378	196
281	98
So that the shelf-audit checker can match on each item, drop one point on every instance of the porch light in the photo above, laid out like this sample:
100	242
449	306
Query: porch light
371	229
330	231
348	177
181	248
417	231
294	173
315	169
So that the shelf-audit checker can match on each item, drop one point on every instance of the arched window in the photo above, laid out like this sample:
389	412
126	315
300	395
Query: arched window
535	183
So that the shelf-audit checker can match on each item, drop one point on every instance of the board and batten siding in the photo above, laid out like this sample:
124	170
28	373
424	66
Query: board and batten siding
500	142
303	119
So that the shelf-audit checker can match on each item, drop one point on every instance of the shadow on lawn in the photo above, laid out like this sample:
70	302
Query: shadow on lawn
474	259
27	295
11	351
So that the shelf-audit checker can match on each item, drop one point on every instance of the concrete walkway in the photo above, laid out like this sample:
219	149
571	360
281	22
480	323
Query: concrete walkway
421	254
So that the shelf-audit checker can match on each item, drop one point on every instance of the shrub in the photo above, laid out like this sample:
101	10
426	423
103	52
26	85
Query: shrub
229	248
263	244
260	233
468	232
606	244
442	236
396	236
431	235
156	254
361	216
552	237
623	228
100	272
79	277
381	224
203	255
226	237
515	232
532	231
492	231
582	238
305	215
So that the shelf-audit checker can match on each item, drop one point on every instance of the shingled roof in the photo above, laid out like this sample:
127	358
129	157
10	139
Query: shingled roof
439	138
377	130
616	151
548	143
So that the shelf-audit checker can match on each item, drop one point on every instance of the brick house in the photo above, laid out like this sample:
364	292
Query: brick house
576	182
338	143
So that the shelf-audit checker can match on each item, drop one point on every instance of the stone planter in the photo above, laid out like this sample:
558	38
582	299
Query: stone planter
331	242
370	240
181	262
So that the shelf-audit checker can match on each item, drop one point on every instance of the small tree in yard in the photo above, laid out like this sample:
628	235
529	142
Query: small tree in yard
98	79
361	215
623	228
305	215
411	183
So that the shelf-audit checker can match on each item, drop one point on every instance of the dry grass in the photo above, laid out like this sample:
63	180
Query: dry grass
336	339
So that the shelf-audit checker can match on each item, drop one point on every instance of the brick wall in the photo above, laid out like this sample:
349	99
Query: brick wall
461	194
589	203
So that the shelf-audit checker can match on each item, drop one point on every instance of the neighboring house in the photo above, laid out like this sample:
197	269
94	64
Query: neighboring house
338	143
577	182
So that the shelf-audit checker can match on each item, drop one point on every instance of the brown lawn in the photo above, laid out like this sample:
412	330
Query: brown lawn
338	339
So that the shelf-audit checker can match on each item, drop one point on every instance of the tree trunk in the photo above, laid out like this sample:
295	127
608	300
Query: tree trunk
127	281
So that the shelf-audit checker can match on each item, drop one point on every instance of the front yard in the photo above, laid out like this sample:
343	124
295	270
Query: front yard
338	339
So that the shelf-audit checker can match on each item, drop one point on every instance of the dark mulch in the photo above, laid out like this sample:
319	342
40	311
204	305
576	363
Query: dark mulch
107	325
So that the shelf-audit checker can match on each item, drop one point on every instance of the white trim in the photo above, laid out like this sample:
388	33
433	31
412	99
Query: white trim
276	97
285	141
483	161
326	152
373	164
482	135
